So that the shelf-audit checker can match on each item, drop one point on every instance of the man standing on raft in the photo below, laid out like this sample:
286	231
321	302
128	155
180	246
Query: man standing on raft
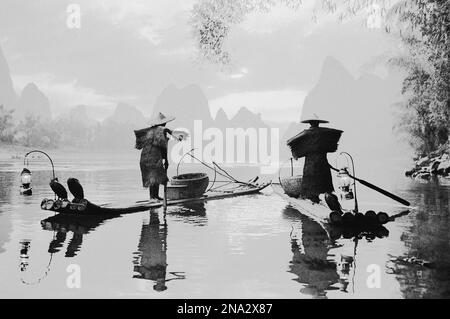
153	142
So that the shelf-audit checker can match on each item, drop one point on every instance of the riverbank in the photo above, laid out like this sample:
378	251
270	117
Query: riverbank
84	158
436	163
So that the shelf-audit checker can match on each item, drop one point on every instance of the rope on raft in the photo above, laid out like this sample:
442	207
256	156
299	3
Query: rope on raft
229	176
217	171
214	181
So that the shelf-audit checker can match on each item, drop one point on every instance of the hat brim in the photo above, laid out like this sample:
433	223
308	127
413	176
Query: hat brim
314	121
160	122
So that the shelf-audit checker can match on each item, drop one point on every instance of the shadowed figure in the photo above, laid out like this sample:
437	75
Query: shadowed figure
314	143
309	245
153	141
152	261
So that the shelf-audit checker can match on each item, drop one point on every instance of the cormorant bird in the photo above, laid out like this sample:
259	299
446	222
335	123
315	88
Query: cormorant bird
75	188
58	189
333	202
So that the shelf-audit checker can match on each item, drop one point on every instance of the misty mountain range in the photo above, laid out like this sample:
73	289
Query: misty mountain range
360	107
363	107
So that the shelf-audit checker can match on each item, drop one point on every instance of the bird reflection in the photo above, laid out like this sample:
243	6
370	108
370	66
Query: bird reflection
79	226
151	263
57	242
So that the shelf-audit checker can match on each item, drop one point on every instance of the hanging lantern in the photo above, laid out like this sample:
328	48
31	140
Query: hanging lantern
25	179
345	184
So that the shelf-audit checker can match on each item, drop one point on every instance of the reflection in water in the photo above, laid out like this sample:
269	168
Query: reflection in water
309	245
151	263
345	265
419	247
5	198
24	257
312	261
57	242
25	246
190	213
61	224
424	270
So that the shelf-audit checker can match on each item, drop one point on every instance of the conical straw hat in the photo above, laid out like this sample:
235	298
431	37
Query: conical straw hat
160	119
314	119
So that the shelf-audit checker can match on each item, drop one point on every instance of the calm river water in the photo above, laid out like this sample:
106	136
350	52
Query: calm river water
245	247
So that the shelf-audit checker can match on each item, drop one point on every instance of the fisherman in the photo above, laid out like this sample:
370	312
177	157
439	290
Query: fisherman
153	142
314	143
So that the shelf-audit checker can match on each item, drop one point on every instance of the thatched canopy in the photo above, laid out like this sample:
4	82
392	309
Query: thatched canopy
314	140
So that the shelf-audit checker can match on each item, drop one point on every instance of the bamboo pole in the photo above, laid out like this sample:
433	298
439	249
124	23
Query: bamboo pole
165	194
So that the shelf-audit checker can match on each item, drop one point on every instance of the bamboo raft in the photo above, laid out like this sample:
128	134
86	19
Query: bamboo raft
88	208
320	213
305	191
317	212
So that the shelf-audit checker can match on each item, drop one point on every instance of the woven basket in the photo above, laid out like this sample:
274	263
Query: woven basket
291	185
196	184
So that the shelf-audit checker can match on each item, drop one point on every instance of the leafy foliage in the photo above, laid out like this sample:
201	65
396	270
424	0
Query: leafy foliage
212	21
424	31
6	125
423	27
32	131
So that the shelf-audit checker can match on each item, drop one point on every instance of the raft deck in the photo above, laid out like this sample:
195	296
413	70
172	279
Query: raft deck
317	212
320	213
93	209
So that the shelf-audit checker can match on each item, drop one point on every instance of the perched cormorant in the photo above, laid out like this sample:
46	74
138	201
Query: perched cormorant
333	202
58	189
75	188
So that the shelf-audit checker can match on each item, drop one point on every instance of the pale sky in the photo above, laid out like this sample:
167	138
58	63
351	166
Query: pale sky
130	50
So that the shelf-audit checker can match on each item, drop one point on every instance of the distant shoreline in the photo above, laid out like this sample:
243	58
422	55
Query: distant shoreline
14	151
10	150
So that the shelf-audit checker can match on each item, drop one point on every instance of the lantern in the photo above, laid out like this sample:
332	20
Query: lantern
25	179
345	184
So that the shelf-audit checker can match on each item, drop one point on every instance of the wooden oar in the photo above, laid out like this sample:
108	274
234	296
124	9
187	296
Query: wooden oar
382	191
378	189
